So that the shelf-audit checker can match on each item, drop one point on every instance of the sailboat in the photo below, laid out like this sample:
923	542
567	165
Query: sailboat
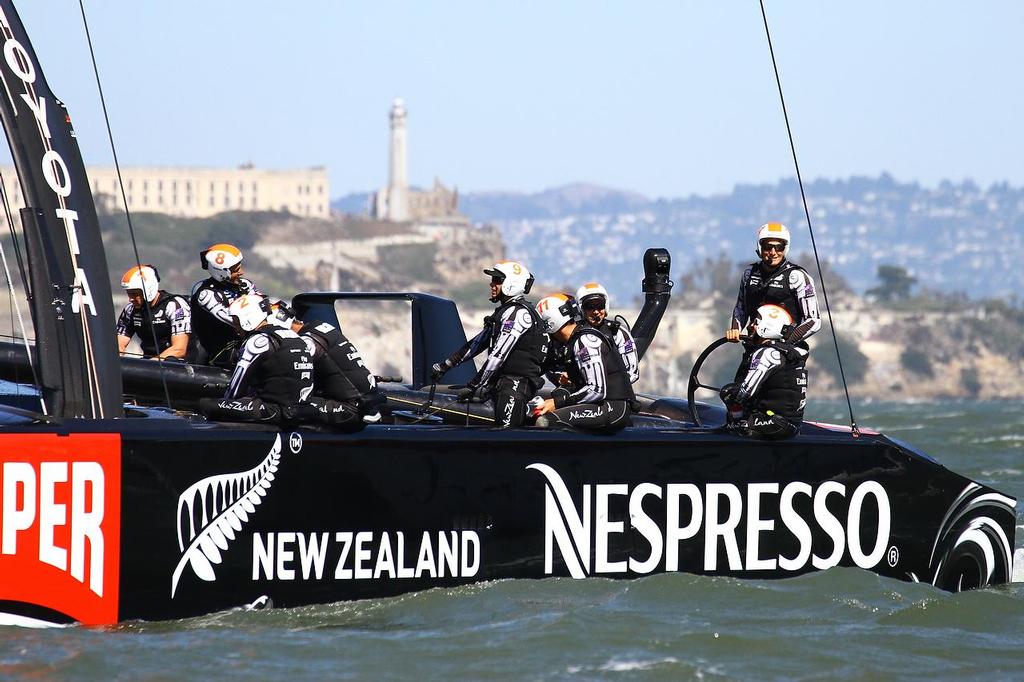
111	512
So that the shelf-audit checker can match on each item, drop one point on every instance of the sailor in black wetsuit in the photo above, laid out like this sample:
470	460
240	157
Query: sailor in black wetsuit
345	392
777	281
600	394
163	327
516	342
274	373
593	299
768	402
211	298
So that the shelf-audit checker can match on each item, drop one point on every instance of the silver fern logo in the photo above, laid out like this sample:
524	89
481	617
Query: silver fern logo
212	510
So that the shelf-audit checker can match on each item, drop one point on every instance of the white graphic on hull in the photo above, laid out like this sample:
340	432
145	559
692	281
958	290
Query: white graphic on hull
212	510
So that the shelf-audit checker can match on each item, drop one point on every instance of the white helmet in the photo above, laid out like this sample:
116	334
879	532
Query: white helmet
589	290
515	279
249	311
772	321
281	315
776	231
557	311
219	259
145	278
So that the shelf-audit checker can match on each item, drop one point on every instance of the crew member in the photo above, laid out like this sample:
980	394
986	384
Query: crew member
345	392
516	342
768	402
593	299
274	373
599	397
211	298
777	281
161	321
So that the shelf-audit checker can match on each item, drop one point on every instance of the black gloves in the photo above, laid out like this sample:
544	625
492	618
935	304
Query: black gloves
472	394
438	369
788	350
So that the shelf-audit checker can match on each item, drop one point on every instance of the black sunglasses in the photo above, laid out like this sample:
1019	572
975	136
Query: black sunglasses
594	305
773	246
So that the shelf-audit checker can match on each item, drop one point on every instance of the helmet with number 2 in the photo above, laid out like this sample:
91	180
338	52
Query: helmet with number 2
772	321
557	311
249	311
219	259
515	279
144	278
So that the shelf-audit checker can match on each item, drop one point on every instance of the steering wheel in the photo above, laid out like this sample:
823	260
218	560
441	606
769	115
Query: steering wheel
695	382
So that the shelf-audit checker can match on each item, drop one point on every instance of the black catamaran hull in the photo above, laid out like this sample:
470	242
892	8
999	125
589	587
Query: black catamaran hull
157	522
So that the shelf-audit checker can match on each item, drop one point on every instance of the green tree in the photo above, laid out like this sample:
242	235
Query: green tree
894	283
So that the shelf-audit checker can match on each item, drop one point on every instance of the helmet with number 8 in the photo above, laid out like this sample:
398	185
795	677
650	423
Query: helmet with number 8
516	280
557	311
249	311
772	321
219	259
773	231
144	278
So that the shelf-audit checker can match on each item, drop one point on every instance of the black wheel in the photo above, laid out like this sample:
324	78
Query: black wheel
695	382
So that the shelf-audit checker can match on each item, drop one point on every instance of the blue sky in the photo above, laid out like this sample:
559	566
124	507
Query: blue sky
663	98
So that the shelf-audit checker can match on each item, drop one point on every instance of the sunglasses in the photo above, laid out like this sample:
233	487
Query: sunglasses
773	246
593	305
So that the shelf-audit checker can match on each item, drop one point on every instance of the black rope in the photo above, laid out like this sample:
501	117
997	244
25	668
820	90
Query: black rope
124	198
807	214
11	298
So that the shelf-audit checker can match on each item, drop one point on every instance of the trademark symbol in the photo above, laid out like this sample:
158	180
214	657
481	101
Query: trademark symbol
893	556
295	442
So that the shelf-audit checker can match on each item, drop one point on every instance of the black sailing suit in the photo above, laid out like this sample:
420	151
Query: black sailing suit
346	392
601	395
273	375
771	395
211	321
517	346
168	317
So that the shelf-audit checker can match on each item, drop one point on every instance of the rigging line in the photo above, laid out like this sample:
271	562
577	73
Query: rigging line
10	288
124	196
14	237
807	213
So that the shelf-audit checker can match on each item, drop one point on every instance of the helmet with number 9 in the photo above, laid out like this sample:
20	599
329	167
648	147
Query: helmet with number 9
516	280
219	259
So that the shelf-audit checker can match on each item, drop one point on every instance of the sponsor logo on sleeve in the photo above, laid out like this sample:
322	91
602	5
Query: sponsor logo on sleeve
60	523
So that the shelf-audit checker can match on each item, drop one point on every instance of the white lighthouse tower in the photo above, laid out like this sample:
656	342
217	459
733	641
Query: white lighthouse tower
393	201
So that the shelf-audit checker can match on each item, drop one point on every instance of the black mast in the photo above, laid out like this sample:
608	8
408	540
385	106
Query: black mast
70	292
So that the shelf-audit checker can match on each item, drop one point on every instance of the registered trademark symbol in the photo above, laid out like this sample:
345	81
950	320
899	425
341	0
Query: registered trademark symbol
295	442
893	556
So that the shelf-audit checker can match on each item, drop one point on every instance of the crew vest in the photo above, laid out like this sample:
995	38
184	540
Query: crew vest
340	373
762	289
527	356
286	375
211	332
155	323
617	386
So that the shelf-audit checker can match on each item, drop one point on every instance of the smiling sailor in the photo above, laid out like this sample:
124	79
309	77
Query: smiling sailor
768	402
274	371
517	346
600	394
211	298
593	299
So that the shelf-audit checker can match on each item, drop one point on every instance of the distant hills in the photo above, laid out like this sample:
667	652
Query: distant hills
956	237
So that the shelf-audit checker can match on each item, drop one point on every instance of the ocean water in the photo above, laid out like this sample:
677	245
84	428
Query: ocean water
839	624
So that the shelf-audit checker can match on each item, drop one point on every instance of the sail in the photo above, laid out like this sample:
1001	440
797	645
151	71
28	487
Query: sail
70	292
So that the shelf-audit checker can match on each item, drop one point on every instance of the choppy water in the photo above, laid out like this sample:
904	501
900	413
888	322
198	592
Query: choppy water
843	623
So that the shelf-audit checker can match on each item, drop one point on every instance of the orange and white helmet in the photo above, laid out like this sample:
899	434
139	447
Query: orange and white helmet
558	310
590	290
219	259
516	280
772	321
249	311
775	231
145	278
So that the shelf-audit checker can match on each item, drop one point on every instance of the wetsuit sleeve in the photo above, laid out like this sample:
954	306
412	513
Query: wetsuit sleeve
124	322
627	350
180	314
803	287
740	314
256	349
587	354
209	301
763	363
515	322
